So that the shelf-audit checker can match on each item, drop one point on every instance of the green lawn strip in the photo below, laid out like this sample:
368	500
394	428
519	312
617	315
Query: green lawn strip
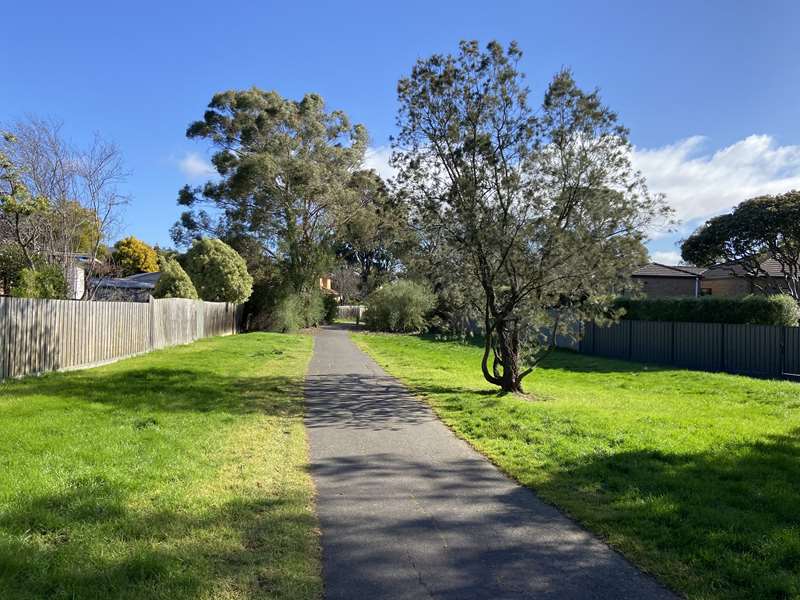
694	476
179	474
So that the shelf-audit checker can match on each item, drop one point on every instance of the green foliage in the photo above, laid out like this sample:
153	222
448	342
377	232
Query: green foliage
331	306
400	307
44	282
12	261
754	309
290	312
218	272
174	282
693	476
132	256
766	227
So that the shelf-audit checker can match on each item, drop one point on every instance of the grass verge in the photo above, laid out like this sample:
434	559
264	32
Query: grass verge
179	474
694	476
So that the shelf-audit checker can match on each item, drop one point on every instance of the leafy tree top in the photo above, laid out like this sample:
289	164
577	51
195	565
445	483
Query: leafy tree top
132	256
174	282
757	230
217	271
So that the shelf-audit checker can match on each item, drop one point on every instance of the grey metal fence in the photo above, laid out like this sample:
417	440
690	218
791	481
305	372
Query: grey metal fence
37	336
757	350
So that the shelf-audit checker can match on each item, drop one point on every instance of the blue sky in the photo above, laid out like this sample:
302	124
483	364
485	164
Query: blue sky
708	89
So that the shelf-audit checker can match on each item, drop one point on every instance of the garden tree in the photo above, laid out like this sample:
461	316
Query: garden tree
217	271
12	261
543	209
374	237
47	281
762	228
173	282
131	255
284	167
76	186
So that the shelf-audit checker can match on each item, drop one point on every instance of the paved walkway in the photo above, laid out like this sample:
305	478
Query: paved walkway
410	511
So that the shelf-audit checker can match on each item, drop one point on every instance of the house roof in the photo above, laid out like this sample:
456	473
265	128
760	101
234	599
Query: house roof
659	270
141	281
771	267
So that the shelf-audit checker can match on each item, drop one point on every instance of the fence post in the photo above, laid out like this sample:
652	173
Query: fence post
152	304
630	339
784	333
672	344
722	348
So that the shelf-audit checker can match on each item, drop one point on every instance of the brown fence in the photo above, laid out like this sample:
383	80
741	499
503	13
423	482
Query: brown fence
37	336
758	350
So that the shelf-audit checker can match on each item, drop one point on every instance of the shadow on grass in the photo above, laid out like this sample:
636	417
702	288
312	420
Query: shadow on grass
168	389
87	543
720	524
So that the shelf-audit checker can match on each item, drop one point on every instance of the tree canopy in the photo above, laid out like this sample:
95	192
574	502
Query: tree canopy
757	230
541	211
217	271
131	255
284	170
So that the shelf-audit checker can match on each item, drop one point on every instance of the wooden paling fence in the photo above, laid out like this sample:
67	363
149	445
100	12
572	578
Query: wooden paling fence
37	336
757	350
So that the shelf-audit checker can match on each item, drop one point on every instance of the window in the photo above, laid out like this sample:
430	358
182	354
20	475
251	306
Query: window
705	291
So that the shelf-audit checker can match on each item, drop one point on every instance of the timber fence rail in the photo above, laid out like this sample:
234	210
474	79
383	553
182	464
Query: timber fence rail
757	350
37	336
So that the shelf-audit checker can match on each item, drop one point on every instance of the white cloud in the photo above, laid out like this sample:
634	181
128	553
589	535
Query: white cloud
378	159
666	257
700	185
195	166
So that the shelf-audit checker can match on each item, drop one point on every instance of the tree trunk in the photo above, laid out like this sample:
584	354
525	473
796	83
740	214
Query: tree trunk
506	369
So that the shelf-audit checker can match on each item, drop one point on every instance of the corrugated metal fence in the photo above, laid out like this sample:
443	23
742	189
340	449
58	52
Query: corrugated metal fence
758	350
37	336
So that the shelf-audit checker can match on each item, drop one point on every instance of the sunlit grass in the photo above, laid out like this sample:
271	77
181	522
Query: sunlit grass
694	476
180	474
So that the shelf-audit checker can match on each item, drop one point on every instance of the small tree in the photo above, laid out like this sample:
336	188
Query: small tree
174	282
542	210
762	228
132	255
400	306
218	272
46	282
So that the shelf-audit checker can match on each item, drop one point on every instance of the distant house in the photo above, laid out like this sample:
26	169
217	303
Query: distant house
136	288
325	284
664	281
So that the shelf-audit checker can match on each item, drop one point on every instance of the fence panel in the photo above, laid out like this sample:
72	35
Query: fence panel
753	350
698	346
37	336
651	341
791	357
613	341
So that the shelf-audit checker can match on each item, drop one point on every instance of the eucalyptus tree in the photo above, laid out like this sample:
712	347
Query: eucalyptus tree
762	229
284	169
542	208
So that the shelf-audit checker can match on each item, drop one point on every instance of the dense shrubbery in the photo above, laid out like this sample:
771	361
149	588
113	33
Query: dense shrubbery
753	309
174	282
399	307
275	308
331	308
45	282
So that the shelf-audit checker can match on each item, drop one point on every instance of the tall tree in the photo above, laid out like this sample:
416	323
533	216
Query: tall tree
284	168
131	256
760	229
374	237
544	210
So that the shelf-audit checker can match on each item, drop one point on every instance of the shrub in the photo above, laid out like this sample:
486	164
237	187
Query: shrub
46	282
295	311
174	282
753	309
401	307
331	306
217	271
132	256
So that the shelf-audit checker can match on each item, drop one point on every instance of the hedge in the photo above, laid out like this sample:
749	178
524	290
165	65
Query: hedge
754	309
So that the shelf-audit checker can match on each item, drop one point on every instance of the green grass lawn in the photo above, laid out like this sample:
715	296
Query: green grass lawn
694	476
179	474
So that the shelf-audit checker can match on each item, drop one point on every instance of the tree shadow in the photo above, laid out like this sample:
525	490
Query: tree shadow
719	524
167	389
90	542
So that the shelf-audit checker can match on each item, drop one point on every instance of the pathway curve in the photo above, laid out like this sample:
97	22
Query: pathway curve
410	511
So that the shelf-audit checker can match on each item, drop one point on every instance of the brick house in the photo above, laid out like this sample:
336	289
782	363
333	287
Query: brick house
665	281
